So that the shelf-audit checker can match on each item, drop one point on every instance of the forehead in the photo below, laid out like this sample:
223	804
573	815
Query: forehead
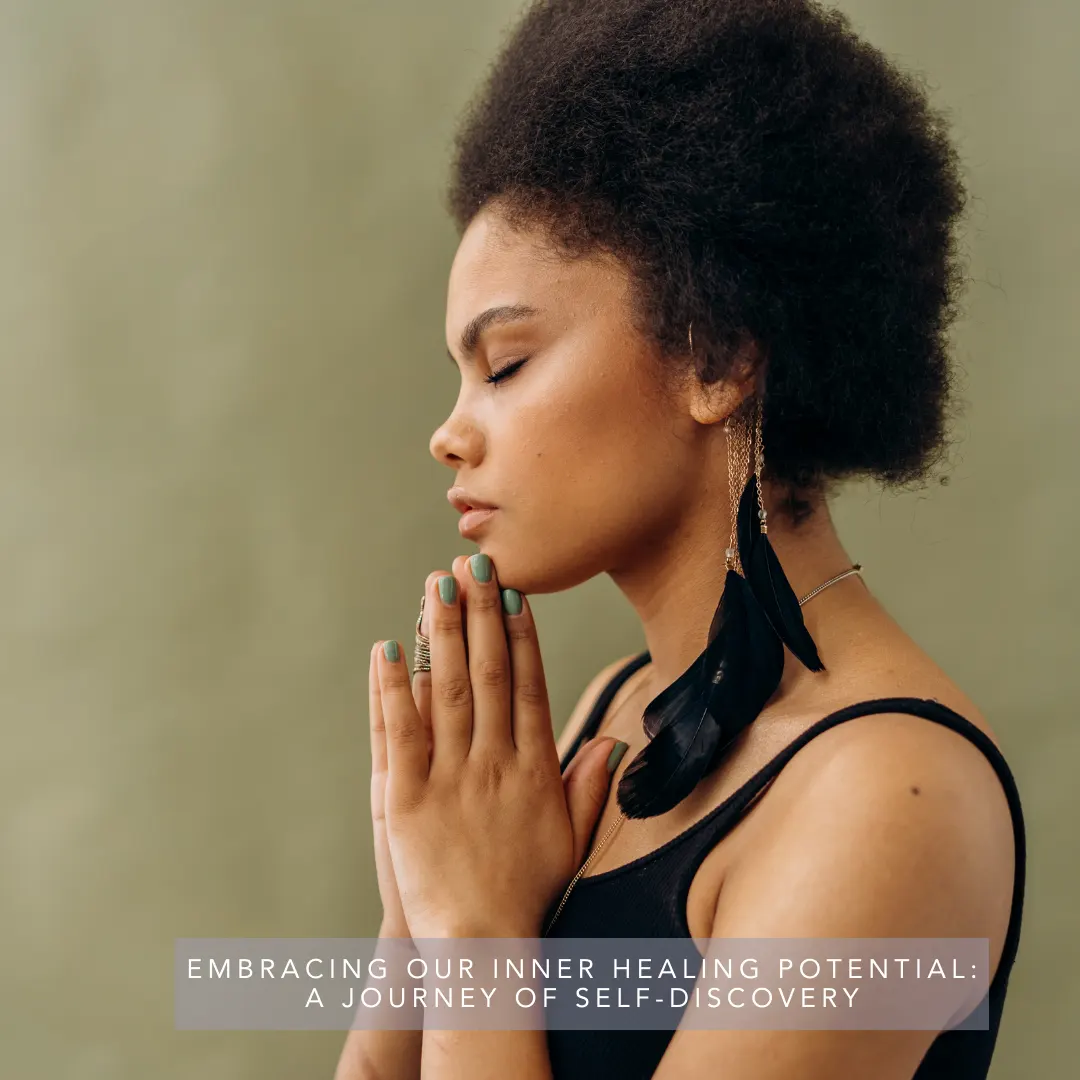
495	264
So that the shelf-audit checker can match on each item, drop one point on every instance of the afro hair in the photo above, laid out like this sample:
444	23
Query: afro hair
763	173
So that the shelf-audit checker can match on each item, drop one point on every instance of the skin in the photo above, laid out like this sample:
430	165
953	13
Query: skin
602	457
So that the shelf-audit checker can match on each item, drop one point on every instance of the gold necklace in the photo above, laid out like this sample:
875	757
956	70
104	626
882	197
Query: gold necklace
854	569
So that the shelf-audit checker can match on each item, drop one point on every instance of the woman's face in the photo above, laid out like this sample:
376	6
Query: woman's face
588	452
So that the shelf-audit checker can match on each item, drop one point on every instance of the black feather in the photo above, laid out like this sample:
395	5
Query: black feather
750	666
769	583
693	721
679	699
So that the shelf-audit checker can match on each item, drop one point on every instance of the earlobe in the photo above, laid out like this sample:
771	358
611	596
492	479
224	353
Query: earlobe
713	403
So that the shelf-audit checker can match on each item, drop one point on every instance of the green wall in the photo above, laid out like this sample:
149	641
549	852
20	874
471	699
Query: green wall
222	274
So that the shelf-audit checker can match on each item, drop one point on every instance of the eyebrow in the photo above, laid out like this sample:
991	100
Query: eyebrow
470	336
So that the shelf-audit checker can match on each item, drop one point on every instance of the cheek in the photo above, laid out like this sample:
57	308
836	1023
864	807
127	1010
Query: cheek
590	477
575	448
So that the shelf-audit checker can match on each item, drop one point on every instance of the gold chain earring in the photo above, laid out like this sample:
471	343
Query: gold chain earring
738	460
759	463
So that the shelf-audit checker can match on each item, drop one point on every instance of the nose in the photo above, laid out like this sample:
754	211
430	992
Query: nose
457	441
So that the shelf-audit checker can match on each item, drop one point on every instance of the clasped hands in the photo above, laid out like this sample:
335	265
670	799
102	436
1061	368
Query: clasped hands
476	829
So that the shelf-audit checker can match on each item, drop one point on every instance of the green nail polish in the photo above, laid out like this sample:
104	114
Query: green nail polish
447	589
616	755
481	567
390	651
511	599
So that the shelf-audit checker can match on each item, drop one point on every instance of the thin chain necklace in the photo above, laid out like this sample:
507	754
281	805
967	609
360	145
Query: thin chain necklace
854	569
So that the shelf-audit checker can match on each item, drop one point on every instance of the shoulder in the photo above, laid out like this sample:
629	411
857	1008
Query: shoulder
879	759
884	826
586	701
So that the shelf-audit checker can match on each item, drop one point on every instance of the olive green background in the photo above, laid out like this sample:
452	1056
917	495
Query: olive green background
223	263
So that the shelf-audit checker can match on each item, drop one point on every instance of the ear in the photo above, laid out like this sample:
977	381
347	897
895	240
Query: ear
713	403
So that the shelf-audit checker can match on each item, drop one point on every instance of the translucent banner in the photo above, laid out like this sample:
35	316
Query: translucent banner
581	983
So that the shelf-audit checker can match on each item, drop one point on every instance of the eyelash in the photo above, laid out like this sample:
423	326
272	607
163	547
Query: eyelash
506	372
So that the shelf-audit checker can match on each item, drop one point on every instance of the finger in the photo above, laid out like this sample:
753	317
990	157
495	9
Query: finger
421	680
406	741
377	730
376	724
488	654
393	919
587	789
532	730
421	691
451	687
572	764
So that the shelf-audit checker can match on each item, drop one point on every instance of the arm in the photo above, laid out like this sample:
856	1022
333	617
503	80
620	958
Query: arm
396	1055
894	829
491	1055
478	1055
380	1055
486	1055
374	1054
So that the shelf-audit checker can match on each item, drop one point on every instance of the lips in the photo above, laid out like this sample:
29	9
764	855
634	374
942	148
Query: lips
463	502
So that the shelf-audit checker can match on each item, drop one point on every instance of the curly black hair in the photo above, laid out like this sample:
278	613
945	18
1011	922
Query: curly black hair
764	174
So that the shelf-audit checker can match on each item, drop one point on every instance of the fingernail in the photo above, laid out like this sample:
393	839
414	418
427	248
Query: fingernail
480	565
447	589
616	755
390	651
511	599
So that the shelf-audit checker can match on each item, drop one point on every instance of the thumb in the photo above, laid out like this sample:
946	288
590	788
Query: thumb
586	785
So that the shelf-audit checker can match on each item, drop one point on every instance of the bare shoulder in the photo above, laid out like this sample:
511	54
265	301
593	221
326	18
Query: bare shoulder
585	703
889	825
883	751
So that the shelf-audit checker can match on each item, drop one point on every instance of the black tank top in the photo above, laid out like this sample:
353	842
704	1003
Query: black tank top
647	898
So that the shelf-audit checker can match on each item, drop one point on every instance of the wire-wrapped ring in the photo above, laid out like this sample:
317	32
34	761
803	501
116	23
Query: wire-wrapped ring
422	647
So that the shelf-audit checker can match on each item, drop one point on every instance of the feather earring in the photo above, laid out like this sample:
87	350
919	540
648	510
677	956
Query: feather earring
697	718
766	576
770	585
692	722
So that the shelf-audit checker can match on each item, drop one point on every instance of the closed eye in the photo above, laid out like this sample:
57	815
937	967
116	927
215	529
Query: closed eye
506	372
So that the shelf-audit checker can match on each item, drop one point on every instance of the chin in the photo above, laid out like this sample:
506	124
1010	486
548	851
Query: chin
535	567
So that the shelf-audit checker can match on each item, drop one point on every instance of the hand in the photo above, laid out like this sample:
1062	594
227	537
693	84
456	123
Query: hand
482	833
393	922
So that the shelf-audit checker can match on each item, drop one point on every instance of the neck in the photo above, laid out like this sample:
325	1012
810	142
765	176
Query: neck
676	585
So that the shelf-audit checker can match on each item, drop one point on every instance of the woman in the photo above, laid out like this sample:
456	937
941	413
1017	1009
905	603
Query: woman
707	267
